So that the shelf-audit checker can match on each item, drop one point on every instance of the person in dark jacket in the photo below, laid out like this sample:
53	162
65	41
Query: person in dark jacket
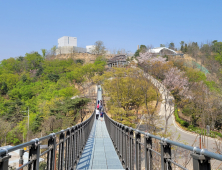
101	115
100	108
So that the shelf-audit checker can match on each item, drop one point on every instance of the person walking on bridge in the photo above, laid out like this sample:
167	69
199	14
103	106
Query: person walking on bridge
97	106
101	115
97	113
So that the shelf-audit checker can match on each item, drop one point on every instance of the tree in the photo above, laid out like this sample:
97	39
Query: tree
171	46
162	45
182	47
99	48
176	82
142	49
43	53
185	48
33	60
53	50
5	127
193	50
129	91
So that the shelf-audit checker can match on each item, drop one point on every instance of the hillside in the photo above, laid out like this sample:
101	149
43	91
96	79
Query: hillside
44	87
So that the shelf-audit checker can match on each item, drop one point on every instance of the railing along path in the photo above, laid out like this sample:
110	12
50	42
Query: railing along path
157	153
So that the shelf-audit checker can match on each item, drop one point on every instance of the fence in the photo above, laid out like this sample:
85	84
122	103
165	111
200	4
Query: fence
139	150
69	143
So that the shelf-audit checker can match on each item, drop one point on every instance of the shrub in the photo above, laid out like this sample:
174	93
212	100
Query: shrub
180	121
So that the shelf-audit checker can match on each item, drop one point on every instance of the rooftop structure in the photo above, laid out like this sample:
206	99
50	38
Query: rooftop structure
117	61
164	51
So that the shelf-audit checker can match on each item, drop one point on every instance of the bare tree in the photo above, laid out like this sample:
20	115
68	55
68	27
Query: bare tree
5	127
99	48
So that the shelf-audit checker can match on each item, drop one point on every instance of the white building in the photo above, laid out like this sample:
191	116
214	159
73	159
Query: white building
90	48
160	50
68	45
164	51
67	41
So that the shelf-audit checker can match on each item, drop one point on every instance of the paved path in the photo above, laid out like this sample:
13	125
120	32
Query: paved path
185	136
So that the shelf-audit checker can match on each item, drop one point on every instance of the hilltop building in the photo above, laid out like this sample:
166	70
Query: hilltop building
68	45
90	48
66	41
117	61
164	51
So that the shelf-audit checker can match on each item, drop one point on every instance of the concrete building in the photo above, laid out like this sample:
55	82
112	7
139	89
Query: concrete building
68	45
90	48
67	41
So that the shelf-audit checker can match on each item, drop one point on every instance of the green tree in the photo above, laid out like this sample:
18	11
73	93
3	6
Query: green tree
142	49
162	45
53	77
182	46
33	60
171	46
185	48
53	50
43	53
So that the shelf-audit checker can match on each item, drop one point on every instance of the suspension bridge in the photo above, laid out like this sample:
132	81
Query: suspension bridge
107	144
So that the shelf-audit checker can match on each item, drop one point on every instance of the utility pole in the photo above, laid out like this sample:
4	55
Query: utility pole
200	140
28	121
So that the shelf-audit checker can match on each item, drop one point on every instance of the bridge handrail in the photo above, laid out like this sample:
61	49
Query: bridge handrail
118	131
33	141
4	156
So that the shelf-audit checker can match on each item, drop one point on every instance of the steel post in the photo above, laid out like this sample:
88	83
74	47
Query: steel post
148	153
21	153
61	151
4	159
200	162
34	153
131	155
126	147
138	150
120	142
67	158
123	144
72	147
51	154
165	155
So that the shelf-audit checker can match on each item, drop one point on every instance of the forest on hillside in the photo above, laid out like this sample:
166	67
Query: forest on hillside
197	93
44	86
131	95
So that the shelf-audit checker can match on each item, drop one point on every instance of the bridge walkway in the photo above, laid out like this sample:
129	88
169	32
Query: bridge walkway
99	152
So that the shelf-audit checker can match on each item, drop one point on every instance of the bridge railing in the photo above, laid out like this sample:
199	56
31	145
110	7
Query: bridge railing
63	151
140	150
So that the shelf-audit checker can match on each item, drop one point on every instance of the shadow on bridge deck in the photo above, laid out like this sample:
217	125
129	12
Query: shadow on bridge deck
99	152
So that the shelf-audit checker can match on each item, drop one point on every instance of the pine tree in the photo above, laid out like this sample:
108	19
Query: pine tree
182	48
185	49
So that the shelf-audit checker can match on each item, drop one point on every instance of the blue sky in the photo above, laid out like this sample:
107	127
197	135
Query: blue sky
31	25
